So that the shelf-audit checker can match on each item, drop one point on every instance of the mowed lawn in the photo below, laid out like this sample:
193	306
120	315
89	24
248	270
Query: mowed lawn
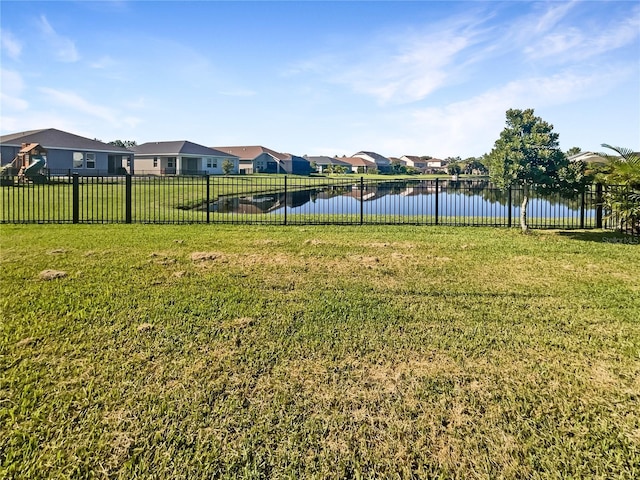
318	352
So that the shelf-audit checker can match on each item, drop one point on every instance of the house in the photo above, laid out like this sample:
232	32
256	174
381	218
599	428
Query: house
182	158
323	164
358	164
419	163
67	152
383	164
259	159
587	157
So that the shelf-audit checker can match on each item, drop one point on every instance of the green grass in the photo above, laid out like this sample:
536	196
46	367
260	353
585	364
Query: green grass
318	352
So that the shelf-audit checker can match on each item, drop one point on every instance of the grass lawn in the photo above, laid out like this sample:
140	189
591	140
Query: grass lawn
318	352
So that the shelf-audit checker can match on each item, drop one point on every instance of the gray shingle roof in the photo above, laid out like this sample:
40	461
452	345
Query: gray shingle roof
57	139
249	152
179	147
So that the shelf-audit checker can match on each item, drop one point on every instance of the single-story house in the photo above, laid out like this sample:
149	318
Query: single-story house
67	152
358	164
182	158
259	159
588	157
323	163
383	164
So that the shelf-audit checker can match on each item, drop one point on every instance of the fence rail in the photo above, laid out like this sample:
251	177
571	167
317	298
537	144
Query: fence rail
291	200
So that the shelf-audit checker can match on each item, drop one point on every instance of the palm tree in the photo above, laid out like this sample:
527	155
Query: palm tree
623	194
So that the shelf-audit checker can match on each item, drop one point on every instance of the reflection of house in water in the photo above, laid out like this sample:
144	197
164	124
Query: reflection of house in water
370	192
259	204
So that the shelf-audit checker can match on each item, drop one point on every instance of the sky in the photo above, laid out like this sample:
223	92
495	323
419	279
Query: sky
323	78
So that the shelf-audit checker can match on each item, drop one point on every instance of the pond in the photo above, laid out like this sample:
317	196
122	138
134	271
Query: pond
445	198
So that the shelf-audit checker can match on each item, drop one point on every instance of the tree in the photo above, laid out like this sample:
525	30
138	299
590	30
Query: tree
528	155
227	166
623	179
454	168
473	166
124	143
573	151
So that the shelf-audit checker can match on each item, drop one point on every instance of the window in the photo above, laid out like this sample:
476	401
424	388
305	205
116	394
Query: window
91	160
211	163
171	162
78	160
155	162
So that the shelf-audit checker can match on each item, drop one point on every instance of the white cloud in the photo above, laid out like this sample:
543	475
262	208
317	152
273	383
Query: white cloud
73	101
405	66
10	95
469	127
552	16
575	44
103	63
10	45
64	48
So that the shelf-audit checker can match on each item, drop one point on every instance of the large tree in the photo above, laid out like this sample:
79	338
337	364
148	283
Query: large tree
528	155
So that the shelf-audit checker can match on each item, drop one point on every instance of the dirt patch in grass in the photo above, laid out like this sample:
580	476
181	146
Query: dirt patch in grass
208	256
51	274
145	327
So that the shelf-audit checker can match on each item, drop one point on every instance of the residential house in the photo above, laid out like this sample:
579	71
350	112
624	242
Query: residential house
322	164
383	164
182	158
259	159
414	161
587	157
69	153
358	164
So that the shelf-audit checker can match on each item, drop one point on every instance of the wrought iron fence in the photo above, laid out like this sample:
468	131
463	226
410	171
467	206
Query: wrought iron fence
291	200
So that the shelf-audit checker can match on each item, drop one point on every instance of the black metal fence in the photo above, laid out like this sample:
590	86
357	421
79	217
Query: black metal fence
293	200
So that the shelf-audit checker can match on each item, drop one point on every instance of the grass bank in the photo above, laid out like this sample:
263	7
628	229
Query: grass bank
318	352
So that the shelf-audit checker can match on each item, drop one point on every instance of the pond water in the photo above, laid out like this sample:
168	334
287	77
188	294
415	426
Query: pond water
454	199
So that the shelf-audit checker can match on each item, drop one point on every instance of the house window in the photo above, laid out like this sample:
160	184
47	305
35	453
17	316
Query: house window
78	160
155	162
91	160
171	162
211	163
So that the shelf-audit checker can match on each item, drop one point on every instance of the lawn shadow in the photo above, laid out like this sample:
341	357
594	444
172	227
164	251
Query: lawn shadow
600	236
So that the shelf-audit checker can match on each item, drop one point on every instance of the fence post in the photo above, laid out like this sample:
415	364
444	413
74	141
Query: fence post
75	194
127	198
582	200
437	183
285	199
599	205
509	207
361	200
208	204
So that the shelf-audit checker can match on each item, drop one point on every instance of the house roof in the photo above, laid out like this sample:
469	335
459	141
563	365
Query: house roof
398	160
249	152
588	157
178	147
377	158
357	162
323	160
51	138
413	158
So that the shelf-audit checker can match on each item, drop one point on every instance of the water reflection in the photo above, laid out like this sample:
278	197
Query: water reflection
414	197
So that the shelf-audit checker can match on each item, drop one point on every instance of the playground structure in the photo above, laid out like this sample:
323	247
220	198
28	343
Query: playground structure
31	159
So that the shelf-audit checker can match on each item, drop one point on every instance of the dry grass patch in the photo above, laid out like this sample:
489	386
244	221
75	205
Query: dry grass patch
51	274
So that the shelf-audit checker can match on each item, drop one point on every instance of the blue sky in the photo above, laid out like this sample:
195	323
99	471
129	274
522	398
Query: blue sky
323	78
